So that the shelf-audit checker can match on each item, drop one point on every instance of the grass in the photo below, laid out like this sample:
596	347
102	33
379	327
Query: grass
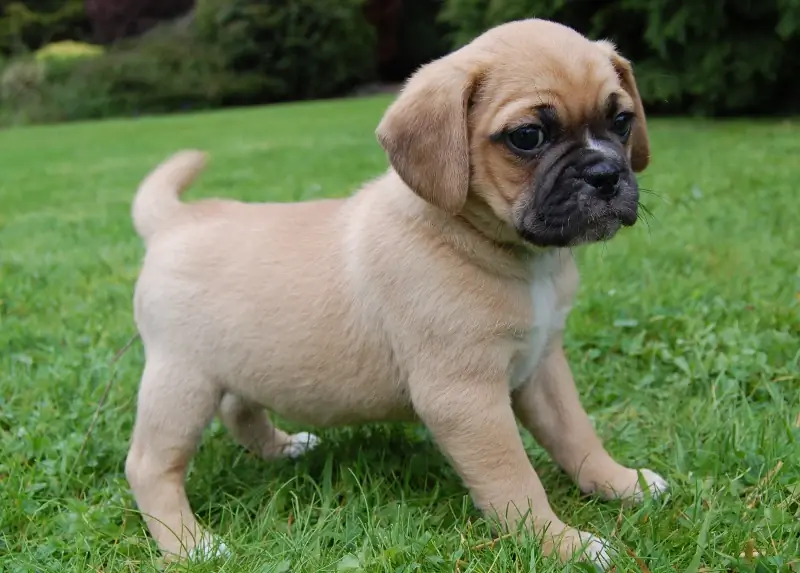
685	342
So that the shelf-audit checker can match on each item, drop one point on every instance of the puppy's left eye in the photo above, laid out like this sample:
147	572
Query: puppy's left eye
526	138
621	125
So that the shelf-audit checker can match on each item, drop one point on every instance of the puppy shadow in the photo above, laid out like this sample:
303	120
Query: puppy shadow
373	466
381	464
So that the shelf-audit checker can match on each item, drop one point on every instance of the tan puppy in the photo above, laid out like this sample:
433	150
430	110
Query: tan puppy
437	293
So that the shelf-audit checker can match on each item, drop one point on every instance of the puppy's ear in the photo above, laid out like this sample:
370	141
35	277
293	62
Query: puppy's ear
640	141
425	131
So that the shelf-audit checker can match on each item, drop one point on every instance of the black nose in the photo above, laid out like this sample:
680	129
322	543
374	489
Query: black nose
604	177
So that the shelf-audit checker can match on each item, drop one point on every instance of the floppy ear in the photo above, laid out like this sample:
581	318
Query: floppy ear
640	141
425	132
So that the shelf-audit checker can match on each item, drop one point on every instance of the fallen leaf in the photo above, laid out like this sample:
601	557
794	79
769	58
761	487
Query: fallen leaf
642	565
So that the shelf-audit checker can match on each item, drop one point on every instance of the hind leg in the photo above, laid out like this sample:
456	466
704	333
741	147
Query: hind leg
249	425
174	406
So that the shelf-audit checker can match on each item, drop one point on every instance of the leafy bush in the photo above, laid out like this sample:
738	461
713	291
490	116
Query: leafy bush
710	57
26	26
166	71
230	52
291	49
67	50
21	85
21	79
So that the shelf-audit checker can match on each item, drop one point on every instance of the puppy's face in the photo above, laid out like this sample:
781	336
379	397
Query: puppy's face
534	120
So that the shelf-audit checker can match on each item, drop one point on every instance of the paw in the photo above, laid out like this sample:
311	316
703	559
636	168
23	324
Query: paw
634	493
584	547
596	551
626	486
299	444
656	484
209	547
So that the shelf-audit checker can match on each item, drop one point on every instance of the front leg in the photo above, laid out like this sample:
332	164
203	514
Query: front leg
549	407
474	425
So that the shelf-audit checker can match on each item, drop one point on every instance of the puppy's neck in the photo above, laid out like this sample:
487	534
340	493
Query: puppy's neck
506	251
479	216
475	234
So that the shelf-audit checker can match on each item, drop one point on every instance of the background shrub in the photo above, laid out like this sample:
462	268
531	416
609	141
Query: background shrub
67	50
27	26
166	71
21	85
709	57
228	52
292	49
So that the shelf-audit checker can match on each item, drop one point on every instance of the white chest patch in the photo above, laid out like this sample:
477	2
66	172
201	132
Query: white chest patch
548	319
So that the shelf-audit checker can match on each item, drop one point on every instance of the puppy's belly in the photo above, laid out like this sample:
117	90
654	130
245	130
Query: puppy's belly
328	409
309	361
310	379
324	393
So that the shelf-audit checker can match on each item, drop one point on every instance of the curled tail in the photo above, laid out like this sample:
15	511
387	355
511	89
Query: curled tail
157	200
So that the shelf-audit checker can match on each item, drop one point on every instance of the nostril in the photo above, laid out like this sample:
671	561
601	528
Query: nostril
603	176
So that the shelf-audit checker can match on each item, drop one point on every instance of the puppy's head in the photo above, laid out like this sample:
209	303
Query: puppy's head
532	119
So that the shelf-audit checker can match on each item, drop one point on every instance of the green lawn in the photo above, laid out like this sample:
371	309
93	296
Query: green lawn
685	343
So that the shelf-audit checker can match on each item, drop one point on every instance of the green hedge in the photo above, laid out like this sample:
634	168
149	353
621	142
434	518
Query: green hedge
229	52
705	57
295	49
27	26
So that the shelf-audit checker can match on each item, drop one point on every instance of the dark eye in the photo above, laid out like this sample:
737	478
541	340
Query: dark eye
621	125
526	138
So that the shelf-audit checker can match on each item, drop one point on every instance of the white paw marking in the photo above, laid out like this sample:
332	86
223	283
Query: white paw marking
209	547
597	550
655	483
299	444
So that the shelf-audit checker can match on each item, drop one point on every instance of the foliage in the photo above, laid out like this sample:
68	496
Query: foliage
21	81
295	49
163	72
227	53
67	50
26	26
684	343
716	56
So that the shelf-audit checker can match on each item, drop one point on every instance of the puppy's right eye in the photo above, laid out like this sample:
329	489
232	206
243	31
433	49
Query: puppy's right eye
526	138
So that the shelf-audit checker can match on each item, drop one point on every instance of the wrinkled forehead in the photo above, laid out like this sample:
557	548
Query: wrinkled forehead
580	88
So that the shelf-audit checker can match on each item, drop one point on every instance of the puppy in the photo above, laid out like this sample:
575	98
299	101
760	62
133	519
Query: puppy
437	293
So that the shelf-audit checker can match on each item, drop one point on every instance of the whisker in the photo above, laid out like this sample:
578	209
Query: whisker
653	193
645	215
647	212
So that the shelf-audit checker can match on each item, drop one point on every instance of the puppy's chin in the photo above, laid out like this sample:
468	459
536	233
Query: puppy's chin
573	214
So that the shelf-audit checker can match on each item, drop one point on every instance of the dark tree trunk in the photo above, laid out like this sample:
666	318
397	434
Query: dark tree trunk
114	20
387	17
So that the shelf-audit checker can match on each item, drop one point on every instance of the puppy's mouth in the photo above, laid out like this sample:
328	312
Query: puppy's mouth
579	198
